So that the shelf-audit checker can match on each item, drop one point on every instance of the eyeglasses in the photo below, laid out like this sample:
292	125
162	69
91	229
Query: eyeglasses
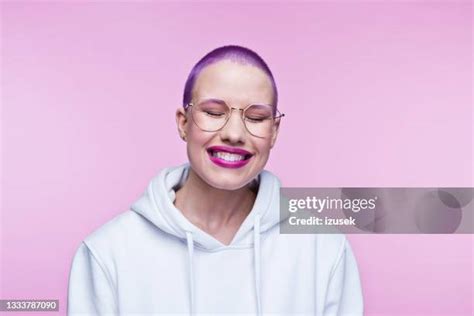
212	115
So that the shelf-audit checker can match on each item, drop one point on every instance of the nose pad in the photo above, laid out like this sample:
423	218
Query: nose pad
234	130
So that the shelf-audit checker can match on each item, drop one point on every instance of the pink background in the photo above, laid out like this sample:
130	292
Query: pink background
376	94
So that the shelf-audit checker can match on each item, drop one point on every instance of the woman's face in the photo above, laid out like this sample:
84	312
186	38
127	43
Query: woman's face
238	85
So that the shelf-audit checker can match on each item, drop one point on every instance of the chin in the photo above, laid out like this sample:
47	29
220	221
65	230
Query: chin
229	179
229	183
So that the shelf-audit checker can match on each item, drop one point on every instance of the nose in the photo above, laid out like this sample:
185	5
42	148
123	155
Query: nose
234	130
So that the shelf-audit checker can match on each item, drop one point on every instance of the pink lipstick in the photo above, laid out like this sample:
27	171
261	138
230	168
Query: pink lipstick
229	157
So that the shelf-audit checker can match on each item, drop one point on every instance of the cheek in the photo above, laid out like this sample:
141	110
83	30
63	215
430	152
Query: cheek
196	136
196	142
264	147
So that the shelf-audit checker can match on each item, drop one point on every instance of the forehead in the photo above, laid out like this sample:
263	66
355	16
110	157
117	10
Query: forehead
233	82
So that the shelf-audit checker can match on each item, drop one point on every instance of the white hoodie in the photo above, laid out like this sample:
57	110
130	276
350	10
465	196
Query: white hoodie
151	260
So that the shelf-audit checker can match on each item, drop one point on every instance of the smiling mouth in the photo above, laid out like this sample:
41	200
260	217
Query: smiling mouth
229	157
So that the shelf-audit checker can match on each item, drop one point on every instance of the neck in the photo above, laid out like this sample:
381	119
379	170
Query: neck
216	211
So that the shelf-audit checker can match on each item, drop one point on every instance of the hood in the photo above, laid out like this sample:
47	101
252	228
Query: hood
157	206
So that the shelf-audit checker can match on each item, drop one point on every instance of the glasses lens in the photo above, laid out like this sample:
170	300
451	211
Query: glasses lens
259	120
210	115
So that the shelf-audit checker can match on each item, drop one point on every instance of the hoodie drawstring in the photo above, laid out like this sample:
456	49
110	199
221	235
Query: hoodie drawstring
189	238
256	248
257	265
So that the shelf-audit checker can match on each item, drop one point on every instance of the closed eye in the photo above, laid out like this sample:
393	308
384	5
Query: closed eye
256	119
214	114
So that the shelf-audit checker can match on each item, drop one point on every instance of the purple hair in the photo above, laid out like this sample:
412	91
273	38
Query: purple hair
235	53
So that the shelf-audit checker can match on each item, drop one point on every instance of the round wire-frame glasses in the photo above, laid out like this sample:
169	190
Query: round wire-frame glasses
212	115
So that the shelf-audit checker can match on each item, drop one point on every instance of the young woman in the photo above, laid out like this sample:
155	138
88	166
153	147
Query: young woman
204	238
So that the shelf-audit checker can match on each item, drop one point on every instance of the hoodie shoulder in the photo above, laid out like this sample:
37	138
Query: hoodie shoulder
115	231
330	248
333	243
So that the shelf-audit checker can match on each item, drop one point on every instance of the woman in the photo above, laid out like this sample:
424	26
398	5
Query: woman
204	238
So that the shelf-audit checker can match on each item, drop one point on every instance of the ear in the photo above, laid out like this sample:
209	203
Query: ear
276	129
181	122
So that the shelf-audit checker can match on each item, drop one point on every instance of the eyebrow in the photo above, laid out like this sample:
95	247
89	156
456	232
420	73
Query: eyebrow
214	100
224	102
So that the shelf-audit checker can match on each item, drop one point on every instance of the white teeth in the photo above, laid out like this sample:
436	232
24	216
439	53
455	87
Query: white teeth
227	156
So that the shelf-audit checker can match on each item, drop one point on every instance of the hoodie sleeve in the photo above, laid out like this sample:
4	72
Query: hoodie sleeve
90	290
344	295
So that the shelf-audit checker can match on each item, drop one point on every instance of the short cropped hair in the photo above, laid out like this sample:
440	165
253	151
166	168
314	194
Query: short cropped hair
235	53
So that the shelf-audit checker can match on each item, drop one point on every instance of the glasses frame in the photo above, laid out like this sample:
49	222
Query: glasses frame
276	117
